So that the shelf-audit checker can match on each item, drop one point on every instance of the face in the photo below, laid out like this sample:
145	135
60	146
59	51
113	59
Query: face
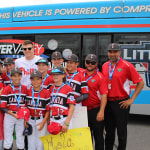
36	82
42	67
28	51
9	67
57	61
58	77
90	65
16	77
72	66
114	55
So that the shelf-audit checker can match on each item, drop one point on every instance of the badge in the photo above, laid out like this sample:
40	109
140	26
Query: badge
93	80
109	84
119	69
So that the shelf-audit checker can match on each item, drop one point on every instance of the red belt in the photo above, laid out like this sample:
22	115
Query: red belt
93	106
117	98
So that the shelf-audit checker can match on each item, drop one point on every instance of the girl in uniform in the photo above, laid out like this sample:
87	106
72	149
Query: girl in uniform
61	104
38	103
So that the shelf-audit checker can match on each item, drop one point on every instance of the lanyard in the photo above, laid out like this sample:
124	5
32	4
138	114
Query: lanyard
8	74
35	106
44	80
19	97
91	76
71	77
56	92
111	72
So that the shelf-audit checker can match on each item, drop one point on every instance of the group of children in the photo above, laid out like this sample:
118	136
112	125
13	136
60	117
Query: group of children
50	101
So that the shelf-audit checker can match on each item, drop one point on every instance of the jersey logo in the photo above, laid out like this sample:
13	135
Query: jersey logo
71	98
119	69
93	80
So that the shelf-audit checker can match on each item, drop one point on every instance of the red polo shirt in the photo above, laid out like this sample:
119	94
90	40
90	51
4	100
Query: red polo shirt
120	82
97	87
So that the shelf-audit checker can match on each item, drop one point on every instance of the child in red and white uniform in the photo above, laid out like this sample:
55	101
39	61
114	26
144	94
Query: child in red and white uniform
9	64
38	103
43	67
62	102
13	97
76	79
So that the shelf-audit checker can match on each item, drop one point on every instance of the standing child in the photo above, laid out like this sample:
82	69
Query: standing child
38	103
13	97
9	64
43	67
62	102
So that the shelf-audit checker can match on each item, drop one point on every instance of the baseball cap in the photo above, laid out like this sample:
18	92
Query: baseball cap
56	54
42	61
73	57
23	113
54	128
28	131
58	70
8	60
15	70
1	62
91	57
35	73
113	46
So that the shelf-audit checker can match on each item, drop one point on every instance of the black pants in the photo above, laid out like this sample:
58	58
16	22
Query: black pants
96	128
116	117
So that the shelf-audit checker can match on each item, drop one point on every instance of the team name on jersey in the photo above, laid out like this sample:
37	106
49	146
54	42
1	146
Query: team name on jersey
26	71
11	99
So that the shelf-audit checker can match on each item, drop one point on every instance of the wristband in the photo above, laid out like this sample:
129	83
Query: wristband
66	124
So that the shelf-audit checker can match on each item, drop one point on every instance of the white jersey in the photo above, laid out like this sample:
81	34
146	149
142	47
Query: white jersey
26	66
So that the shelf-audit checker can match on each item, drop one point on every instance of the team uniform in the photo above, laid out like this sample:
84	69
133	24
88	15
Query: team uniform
77	82
47	81
6	78
37	103
118	90
26	66
8	100
97	87
61	97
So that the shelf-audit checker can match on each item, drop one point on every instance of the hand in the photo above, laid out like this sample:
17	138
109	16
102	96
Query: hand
40	126
64	128
25	124
100	116
15	115
125	104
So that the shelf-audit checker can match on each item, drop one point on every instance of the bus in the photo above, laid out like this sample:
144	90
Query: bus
83	28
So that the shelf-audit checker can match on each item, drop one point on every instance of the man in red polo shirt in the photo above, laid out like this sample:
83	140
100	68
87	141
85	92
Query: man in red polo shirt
96	101
118	74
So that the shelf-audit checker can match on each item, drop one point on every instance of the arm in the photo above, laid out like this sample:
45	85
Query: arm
81	97
67	121
41	124
127	103
100	114
13	114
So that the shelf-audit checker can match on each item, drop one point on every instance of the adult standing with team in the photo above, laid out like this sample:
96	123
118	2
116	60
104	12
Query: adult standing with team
118	74
96	101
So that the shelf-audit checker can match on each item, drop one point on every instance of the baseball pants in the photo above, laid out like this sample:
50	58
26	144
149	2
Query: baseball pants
9	122
34	143
116	117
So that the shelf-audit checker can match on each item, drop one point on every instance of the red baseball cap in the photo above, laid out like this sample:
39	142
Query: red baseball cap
23	113
54	128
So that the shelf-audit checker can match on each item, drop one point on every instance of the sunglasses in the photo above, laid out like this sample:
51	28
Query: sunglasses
90	62
29	48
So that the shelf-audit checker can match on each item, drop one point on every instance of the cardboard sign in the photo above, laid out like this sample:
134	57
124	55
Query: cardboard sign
74	139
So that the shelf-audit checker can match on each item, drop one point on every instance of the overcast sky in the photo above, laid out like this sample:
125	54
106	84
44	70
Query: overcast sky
10	3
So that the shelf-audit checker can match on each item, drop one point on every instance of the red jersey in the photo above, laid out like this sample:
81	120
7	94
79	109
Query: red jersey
8	97
2	85
6	78
97	87
59	103
1	125
78	83
120	82
43	104
48	82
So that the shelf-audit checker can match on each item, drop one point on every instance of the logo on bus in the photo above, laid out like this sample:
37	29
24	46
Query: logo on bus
14	47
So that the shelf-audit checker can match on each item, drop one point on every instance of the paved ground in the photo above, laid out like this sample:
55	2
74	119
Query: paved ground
138	133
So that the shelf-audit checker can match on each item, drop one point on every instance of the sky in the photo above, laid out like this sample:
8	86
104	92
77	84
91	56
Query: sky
12	3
